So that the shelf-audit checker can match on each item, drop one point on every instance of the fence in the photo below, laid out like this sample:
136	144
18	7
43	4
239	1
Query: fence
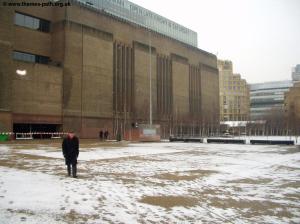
5	136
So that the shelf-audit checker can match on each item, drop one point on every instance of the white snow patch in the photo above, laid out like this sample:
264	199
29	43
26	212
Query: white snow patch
104	153
29	190
109	191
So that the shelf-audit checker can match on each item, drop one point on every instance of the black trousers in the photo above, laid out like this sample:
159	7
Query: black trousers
74	169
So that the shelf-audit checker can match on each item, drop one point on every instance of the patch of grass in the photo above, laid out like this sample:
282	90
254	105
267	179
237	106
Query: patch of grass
170	201
287	168
252	208
252	181
176	177
292	184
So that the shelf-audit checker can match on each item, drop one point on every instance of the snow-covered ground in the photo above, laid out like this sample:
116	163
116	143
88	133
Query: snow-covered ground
151	183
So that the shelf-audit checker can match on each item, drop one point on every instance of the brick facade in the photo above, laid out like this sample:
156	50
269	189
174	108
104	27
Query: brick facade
98	74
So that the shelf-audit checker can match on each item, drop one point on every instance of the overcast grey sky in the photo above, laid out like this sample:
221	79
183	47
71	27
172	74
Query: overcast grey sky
260	37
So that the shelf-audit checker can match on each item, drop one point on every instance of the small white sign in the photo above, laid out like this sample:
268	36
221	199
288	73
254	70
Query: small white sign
149	131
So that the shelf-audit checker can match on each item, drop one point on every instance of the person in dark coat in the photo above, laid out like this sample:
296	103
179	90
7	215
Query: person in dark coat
101	135
106	134
70	149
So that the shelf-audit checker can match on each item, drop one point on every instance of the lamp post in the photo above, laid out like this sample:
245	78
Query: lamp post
117	131
150	79
116	91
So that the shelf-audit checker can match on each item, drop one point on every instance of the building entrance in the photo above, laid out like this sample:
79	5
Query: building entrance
39	131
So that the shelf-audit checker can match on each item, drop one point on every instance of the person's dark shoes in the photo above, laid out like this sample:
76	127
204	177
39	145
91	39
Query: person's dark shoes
74	171
69	170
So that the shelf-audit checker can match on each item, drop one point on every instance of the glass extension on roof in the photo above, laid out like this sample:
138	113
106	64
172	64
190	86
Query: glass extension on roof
271	85
144	17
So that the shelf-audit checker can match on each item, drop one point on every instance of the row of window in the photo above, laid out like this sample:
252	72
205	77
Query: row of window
236	98
269	93
21	56
236	93
138	15
32	22
36	24
230	103
232	111
225	82
234	87
235	118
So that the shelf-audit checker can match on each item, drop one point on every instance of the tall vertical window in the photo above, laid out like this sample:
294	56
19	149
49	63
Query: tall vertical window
32	22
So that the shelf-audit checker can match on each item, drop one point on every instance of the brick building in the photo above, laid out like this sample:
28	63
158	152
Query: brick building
292	108
86	67
234	94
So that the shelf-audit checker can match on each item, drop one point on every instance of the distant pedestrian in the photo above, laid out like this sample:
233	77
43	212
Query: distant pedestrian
70	149
101	135
106	134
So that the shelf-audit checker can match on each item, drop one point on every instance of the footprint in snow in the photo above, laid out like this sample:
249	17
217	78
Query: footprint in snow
67	200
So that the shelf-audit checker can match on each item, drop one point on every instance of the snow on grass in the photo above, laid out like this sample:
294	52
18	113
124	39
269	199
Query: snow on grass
108	153
24	195
152	182
31	193
3	149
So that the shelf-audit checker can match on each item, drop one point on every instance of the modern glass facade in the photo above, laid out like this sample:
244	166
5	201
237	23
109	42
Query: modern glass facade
268	96
145	18
296	73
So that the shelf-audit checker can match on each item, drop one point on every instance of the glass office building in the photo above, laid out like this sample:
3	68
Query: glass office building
136	14
268	96
296	73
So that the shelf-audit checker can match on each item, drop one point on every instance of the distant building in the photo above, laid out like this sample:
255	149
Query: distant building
267	97
296	73
292	105
234	94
